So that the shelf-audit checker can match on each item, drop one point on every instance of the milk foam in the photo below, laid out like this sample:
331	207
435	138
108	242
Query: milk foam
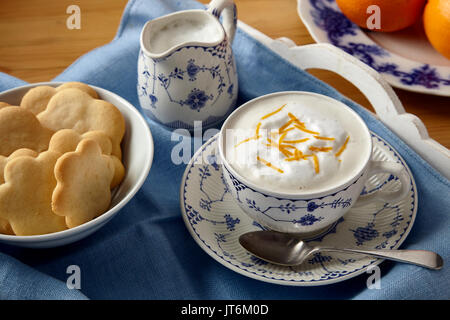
180	31
332	144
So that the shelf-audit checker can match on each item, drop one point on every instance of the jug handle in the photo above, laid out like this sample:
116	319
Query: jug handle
215	7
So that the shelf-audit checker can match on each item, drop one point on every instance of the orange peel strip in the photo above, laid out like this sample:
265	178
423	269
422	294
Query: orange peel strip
280	140
323	138
295	119
247	140
305	130
274	112
284	126
316	163
287	146
298	155
320	149
269	164
255	137
296	141
285	152
287	130
257	129
280	148
342	147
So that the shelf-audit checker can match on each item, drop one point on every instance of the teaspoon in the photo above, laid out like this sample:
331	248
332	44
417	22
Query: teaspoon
288	250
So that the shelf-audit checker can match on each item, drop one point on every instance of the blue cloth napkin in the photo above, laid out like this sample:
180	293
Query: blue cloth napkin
146	251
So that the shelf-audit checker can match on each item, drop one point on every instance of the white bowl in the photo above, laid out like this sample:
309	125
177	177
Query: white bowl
137	149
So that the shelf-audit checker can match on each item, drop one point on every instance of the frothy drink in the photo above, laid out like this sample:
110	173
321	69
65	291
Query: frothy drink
303	144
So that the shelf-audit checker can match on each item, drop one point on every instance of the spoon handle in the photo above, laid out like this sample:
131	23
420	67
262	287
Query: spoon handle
422	258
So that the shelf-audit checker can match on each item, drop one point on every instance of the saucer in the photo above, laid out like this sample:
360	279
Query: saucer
215	222
404	58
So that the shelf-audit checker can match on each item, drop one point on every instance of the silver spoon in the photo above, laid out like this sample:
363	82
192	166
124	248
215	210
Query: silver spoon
288	250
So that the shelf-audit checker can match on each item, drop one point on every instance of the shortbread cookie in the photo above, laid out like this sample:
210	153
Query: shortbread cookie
36	99
25	197
75	109
66	140
4	104
20	128
5	227
83	183
15	154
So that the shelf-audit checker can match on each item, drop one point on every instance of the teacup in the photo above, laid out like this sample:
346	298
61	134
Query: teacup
311	208
186	68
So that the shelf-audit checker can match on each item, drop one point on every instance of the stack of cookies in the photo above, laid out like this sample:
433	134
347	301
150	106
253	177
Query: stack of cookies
60	157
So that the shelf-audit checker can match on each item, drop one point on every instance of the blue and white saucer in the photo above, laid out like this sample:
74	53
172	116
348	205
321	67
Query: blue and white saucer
215	222
404	58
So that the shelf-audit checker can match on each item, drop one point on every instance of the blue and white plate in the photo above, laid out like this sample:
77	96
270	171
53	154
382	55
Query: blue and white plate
216	222
405	58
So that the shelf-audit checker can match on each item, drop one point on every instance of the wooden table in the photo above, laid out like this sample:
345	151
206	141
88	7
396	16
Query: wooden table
36	45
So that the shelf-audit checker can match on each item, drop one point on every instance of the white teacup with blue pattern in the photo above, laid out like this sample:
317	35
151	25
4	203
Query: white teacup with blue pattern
303	135
186	68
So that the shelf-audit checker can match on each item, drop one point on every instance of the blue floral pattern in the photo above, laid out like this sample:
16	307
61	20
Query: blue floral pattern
197	99
341	31
211	83
296	212
369	232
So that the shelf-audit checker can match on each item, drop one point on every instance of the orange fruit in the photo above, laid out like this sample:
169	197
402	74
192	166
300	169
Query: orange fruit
394	14
436	21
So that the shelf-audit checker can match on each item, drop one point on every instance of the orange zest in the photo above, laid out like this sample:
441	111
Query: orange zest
324	138
257	129
320	149
316	163
342	147
247	140
285	152
304	129
255	137
274	112
269	164
295	119
296	141
280	140
281	148
287	146
287	130
277	140
284	126
298	155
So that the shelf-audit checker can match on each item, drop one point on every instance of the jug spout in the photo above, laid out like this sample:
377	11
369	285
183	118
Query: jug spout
164	35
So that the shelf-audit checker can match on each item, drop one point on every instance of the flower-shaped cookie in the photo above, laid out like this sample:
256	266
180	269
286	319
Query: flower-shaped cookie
5	227
4	104
83	183
20	128
75	109
66	140
25	196
36	99
15	154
